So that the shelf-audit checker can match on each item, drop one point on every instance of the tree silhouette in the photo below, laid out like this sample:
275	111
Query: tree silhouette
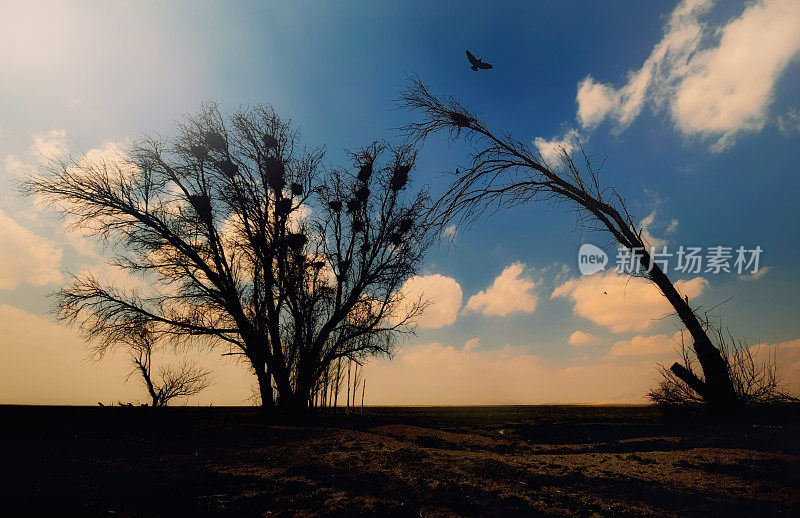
244	240
172	381
504	171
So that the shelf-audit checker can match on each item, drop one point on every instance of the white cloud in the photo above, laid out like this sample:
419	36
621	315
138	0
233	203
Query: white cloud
647	237
81	242
789	124
49	144
728	88
42	147
450	232
443	295
472	344
581	339
45	145
757	275
109	275
510	292
621	302
597	101
551	150
655	345
672	227
14	165
298	217
26	257
111	156
715	90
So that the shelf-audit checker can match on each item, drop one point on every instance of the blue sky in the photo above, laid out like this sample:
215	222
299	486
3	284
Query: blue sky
705	134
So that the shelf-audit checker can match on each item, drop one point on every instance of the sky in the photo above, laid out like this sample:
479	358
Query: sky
693	105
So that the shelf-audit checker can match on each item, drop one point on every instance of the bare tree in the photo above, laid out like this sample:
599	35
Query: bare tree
172	381
245	241
504	171
752	370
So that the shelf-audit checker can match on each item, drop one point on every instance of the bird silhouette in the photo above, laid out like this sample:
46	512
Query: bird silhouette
477	63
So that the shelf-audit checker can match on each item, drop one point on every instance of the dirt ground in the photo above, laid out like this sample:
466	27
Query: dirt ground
451	461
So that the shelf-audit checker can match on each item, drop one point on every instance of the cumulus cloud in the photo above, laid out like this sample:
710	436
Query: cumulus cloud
511	292
439	374
13	165
49	144
443	295
550	150
110	155
44	145
716	82
655	345
26	257
620	302
581	339
596	101
682	35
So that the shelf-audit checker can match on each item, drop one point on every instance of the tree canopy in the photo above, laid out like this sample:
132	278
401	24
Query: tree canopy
247	240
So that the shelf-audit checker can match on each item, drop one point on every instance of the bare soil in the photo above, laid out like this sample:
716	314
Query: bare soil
450	461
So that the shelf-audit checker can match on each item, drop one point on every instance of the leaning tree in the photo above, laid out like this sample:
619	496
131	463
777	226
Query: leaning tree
245	240
504	171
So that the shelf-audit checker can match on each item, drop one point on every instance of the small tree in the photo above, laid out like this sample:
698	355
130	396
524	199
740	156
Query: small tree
173	381
504	171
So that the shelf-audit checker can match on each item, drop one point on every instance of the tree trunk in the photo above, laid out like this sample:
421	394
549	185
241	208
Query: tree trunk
355	385
265	387
363	389
717	390
338	384
324	389
349	368
689	378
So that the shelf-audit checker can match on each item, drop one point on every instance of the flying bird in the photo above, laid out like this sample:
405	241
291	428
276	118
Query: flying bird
477	63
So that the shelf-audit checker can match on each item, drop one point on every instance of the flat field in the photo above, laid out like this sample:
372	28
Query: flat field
396	461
